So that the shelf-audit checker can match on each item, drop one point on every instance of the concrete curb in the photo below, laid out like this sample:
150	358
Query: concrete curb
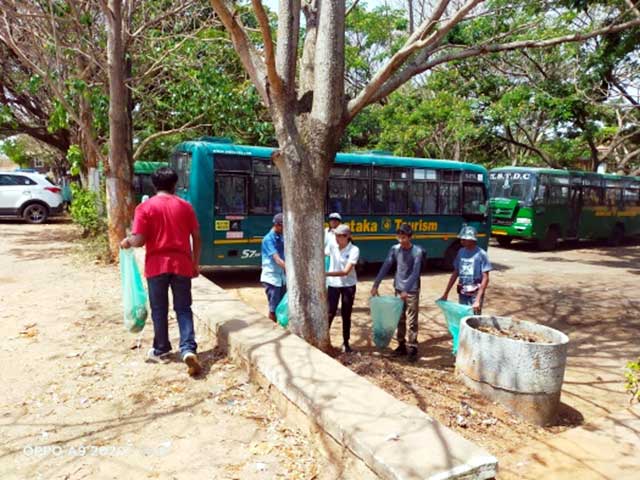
394	440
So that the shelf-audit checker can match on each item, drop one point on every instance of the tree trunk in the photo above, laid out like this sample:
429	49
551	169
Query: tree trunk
119	174
303	192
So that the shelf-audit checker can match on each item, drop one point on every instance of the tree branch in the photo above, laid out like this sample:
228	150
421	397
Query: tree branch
164	133
415	68
287	48
413	44
248	56
275	83
156	20
328	79
531	148
7	37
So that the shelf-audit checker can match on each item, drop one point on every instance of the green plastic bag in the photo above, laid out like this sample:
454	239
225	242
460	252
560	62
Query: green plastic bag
134	297
282	311
385	314
453	313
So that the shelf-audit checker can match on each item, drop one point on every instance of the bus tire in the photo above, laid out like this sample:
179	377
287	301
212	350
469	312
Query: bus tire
617	235
450	255
504	241
550	240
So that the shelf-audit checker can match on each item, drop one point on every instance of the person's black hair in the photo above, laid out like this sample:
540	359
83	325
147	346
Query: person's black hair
165	179
405	229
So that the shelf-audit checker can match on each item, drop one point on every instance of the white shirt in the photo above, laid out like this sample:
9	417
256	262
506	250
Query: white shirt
329	238
338	261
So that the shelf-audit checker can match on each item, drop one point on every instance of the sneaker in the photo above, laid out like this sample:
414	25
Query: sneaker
154	358
194	367
346	348
400	350
413	354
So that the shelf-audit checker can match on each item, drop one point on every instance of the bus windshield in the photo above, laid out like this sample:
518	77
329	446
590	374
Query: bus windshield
516	185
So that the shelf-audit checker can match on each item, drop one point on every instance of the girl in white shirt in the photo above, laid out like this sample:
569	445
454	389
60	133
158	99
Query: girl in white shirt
342	279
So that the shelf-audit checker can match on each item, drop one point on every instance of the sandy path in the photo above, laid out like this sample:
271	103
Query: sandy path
78	400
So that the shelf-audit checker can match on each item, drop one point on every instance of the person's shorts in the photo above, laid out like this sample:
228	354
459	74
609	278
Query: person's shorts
274	295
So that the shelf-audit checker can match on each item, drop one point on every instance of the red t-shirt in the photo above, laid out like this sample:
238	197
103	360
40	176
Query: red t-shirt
166	221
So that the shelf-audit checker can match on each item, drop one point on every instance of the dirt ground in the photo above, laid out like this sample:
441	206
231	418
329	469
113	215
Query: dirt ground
79	401
586	290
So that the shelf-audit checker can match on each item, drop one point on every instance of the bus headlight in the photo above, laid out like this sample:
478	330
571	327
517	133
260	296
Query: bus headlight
524	221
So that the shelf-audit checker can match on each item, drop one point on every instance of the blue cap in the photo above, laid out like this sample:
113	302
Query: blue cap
468	233
278	219
405	229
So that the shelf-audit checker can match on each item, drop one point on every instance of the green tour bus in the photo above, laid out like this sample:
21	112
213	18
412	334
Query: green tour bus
235	191
142	178
547	205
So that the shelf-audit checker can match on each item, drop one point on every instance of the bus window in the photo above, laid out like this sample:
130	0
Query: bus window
260	194
380	196
137	184
338	195
231	163
473	199
231	195
592	196
541	189
398	197
382	172
558	194
517	185
263	165
359	201
276	195
612	196
416	197
181	163
631	196
424	198
449	198
558	190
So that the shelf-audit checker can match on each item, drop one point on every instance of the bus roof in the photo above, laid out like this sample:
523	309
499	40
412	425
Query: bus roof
557	171
143	167
355	158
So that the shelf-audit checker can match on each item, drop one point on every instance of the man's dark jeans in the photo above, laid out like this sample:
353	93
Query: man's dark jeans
159	299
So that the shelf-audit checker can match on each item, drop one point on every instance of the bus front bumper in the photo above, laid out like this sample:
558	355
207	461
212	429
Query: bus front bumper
515	230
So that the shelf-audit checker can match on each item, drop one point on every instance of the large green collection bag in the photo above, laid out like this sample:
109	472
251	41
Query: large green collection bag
134	297
385	314
282	311
453	313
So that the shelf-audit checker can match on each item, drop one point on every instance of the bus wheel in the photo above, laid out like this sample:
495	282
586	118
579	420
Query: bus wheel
504	241
450	256
617	236
550	240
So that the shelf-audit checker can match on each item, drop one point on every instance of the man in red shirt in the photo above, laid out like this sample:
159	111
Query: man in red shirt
166	224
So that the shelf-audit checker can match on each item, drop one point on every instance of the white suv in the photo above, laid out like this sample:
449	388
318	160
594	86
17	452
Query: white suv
28	195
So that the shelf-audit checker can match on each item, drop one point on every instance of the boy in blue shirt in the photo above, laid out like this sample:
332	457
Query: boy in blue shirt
471	269
273	267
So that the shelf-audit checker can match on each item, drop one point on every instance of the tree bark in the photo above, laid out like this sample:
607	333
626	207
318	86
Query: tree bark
119	172
303	192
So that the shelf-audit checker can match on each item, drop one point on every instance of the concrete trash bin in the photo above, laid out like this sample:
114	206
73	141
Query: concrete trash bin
517	363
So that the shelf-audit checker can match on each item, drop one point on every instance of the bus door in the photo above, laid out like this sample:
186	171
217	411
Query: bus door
231	199
575	207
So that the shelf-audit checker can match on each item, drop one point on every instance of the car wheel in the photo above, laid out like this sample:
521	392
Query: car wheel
504	241
35	213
